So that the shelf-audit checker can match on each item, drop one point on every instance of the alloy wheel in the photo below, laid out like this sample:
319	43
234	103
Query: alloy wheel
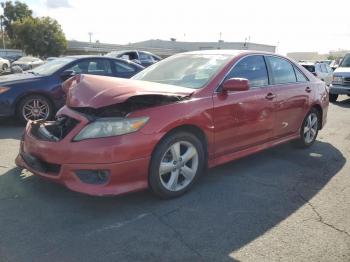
178	166
310	128
35	109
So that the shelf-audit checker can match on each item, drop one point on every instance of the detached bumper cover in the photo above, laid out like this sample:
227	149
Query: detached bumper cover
125	177
126	158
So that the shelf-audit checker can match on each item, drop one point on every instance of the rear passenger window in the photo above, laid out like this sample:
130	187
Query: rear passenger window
300	75
282	70
252	68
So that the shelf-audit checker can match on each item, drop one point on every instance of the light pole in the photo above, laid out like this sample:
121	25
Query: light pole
90	35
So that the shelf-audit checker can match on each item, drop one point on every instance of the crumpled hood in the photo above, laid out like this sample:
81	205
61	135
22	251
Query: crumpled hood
100	91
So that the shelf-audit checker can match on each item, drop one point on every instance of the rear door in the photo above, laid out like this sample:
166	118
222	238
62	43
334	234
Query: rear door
244	118
291	91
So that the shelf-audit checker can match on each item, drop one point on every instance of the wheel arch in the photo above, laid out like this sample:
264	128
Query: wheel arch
320	111
190	128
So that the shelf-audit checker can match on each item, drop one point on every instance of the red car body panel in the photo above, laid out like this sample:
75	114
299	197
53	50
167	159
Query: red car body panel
100	91
235	124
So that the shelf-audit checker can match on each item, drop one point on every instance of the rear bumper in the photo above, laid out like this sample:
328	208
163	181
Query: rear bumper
339	90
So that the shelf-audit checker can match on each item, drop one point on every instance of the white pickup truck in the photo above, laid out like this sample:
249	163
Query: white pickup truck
341	80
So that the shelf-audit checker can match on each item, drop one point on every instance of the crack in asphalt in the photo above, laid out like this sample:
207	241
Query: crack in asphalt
320	218
178	235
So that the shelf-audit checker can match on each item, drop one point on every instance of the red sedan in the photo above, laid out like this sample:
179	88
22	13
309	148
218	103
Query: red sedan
162	128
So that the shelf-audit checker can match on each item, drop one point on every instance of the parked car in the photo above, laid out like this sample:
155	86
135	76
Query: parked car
141	57
164	126
4	64
341	80
321	70
51	58
37	94
12	58
28	62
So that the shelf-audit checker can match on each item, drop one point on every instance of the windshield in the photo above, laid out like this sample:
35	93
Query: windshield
52	66
346	61
187	70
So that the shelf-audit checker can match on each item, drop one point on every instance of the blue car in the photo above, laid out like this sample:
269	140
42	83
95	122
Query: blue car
37	94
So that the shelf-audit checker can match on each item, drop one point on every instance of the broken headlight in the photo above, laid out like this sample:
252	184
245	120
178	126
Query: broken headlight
111	126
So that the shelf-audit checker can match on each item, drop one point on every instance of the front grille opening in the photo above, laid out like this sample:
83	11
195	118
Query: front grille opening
54	131
40	165
93	177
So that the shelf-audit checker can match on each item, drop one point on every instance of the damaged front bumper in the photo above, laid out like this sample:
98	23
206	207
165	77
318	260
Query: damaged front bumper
103	166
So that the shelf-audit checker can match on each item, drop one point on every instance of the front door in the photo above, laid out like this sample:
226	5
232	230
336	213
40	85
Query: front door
244	118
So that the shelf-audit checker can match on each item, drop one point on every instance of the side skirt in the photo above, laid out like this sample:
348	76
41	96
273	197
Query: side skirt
248	151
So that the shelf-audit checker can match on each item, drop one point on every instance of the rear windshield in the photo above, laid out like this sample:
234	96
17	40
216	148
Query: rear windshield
310	68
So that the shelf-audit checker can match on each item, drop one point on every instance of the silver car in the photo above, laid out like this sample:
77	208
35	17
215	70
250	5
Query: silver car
321	70
28	62
341	80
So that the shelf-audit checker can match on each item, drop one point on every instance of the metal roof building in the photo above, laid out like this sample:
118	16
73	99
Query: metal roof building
163	47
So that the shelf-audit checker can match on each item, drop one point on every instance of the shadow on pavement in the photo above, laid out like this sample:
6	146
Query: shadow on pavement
343	103
10	128
231	206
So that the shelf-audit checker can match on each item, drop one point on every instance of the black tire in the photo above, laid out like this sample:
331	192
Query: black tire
333	97
302	141
26	100
4	67
162	148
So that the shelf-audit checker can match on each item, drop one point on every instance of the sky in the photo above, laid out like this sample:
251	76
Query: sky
291	25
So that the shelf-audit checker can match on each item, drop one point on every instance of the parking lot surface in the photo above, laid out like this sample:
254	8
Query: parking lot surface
283	204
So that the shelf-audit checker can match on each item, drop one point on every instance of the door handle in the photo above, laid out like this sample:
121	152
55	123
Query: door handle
270	96
308	89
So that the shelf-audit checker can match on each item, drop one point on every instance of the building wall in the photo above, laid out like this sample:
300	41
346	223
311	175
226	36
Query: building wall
9	52
162	47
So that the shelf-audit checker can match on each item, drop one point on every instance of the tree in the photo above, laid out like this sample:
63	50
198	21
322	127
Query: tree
39	36
14	12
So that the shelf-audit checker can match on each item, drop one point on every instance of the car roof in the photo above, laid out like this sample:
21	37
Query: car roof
76	57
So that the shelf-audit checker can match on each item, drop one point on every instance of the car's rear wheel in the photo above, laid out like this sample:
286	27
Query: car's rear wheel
333	97
309	129
176	164
34	107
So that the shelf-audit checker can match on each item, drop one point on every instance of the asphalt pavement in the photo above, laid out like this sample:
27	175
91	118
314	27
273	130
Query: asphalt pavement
283	204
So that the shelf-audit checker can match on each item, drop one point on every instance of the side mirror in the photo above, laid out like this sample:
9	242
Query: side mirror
236	84
67	74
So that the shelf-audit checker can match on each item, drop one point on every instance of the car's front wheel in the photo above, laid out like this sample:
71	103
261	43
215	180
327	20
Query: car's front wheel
34	107
309	129
4	67
333	97
176	164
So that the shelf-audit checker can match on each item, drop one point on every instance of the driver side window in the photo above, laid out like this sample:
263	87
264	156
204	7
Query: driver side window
252	68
